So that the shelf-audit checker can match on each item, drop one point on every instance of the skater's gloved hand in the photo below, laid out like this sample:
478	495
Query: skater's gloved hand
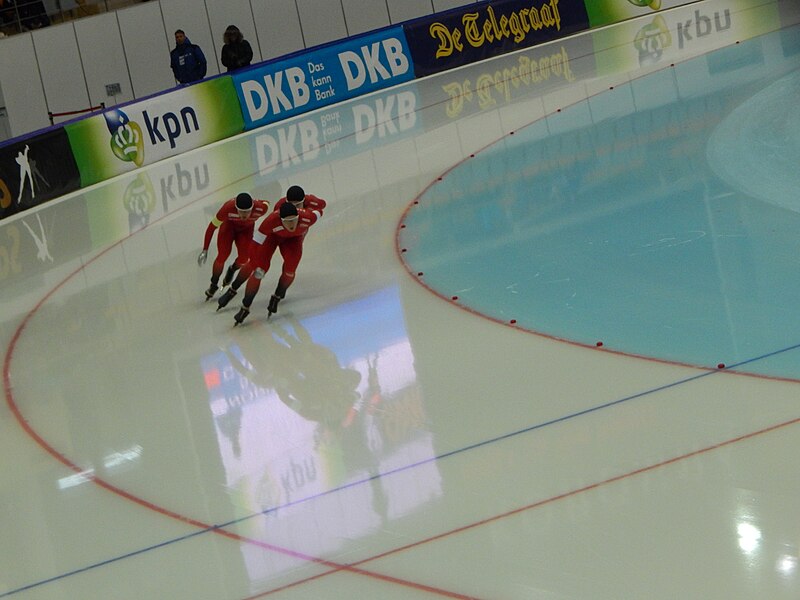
201	260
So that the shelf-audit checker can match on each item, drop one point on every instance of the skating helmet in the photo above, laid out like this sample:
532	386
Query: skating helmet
288	210
244	201
296	195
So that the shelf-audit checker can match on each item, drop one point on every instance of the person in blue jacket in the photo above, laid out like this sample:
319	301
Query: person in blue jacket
187	60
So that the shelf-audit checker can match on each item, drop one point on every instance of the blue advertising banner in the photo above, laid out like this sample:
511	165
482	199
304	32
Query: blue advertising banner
479	31
334	73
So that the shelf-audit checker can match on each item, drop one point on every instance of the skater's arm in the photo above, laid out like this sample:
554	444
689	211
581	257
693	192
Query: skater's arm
212	227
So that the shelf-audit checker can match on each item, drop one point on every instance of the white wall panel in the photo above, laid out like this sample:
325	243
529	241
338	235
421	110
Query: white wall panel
103	58
231	12
405	10
190	15
22	88
322	20
278	26
147	46
440	5
60	66
364	15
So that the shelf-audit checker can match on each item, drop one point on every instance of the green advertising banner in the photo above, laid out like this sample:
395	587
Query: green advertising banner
605	12
123	139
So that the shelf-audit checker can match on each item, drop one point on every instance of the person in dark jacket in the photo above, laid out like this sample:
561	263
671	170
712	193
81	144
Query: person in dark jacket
187	60
236	52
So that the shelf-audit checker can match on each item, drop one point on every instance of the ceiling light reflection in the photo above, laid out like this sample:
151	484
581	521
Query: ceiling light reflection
111	462
787	565
749	537
76	479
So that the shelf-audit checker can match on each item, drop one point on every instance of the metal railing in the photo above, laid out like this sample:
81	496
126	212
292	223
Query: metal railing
52	115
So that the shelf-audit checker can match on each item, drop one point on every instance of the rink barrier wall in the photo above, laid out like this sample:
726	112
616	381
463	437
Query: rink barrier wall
115	142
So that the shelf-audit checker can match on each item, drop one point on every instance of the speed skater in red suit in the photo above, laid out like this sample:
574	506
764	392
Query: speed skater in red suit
284	229
297	196
235	220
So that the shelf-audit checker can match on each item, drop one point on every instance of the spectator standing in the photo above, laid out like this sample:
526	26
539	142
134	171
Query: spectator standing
236	51
187	60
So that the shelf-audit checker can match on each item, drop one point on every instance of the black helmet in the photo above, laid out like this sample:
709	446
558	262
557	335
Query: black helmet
288	210
295	194
244	201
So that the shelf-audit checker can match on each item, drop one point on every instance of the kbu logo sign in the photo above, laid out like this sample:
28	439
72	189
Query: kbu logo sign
126	142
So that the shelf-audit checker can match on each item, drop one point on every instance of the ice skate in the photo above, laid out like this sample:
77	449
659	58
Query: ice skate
229	275
272	308
241	316
225	298
212	289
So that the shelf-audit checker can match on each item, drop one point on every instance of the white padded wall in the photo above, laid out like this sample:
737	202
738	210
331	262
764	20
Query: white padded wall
147	47
190	15
103	58
405	10
364	15
22	89
278	25
231	12
322	21
440	5
61	69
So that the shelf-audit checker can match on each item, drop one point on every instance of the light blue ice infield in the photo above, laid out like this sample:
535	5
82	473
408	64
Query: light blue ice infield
661	217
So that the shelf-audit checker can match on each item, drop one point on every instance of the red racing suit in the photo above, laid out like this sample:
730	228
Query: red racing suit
271	235
233	229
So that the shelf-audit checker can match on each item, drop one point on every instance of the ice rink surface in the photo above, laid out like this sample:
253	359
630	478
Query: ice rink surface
543	344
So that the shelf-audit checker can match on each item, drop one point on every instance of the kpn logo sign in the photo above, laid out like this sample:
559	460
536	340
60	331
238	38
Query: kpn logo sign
126	141
312	80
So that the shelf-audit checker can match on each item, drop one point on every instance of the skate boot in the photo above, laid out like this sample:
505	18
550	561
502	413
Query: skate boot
229	275
273	305
241	316
225	298
212	289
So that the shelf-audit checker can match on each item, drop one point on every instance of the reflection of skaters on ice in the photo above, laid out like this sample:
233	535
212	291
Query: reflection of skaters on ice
236	221
370	400
230	424
371	396
305	375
